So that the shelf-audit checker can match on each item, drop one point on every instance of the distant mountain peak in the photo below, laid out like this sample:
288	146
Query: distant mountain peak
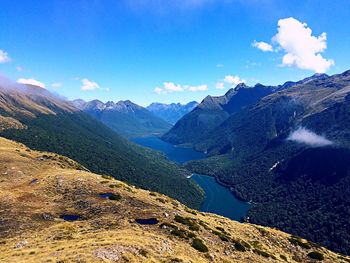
171	112
241	86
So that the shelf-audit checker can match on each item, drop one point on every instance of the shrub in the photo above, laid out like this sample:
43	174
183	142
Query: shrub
188	222
168	225
262	253
283	257
115	197
191	234
239	246
298	242
179	233
222	236
316	255
199	245
161	200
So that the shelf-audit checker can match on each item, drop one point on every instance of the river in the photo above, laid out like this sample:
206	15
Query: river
218	198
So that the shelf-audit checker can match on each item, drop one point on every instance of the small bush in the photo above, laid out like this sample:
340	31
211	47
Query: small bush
199	245
262	253
168	225
190	211
179	233
239	246
298	242
152	194
222	236
316	255
283	257
115	197
143	252
161	200
262	231
191	234
188	222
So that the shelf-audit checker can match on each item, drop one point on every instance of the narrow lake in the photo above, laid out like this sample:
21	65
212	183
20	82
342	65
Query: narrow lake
218	199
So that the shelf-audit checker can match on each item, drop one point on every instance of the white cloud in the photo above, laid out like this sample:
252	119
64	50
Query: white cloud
196	88
56	85
263	46
302	49
33	82
19	68
89	85
220	65
233	80
303	135
4	57
170	87
158	90
220	85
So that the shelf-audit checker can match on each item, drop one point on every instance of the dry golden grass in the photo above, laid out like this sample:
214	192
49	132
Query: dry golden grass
36	188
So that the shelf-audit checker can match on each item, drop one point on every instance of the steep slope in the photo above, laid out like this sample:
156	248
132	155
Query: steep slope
53	210
212	111
173	112
310	197
125	117
34	116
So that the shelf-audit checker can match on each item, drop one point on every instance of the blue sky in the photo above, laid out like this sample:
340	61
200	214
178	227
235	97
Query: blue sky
169	51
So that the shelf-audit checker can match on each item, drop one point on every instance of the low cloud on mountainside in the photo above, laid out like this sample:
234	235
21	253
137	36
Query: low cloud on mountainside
303	135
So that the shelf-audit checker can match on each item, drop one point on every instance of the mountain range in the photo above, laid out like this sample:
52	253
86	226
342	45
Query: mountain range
43	121
124	117
171	112
287	153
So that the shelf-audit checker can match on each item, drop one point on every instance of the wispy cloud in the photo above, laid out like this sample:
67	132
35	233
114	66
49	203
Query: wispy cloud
33	82
4	57
305	136
56	85
263	46
220	85
229	81
302	49
89	85
170	87
220	65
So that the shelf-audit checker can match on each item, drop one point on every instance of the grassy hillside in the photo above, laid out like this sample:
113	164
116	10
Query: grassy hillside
38	190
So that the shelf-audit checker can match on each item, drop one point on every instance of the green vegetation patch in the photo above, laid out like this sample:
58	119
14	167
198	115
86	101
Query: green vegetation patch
316	255
297	241
263	253
115	197
199	245
191	223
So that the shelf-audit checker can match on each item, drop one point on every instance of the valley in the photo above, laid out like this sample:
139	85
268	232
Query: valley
53	209
218	199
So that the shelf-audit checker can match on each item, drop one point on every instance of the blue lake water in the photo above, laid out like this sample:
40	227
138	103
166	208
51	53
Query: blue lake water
218	198
175	154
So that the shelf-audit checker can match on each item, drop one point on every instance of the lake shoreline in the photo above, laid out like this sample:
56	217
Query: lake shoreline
219	197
